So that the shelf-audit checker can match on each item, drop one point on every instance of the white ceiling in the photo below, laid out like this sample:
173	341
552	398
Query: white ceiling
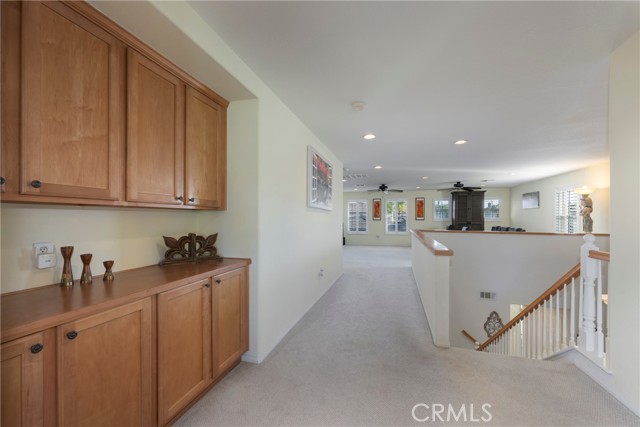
526	83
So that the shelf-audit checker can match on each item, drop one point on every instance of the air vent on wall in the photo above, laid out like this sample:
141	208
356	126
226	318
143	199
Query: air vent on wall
487	295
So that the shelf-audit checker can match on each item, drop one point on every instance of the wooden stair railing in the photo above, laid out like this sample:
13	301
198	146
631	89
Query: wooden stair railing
468	335
539	350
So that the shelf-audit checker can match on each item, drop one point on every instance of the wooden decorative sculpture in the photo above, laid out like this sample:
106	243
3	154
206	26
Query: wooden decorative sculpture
493	324
190	248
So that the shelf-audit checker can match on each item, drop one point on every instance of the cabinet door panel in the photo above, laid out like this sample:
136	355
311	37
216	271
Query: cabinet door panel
72	97
184	346
23	382
206	157
230	318
104	373
155	133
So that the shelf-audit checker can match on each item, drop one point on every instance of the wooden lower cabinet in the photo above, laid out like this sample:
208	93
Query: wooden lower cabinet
184	347
230	318
105	368
138	352
23	381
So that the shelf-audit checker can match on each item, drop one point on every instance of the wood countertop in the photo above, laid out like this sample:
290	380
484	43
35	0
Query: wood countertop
32	310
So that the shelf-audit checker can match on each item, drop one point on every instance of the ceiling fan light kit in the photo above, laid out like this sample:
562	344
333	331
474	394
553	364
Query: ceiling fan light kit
385	189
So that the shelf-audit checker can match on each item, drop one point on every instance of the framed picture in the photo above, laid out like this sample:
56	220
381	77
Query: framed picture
531	200
377	209
420	208
319	181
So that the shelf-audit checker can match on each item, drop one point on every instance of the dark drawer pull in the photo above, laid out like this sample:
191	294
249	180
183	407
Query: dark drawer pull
72	335
179	198
36	348
207	285
2	180
192	199
36	184
218	281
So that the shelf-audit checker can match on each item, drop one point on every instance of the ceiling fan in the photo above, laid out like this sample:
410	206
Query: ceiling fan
459	186
385	189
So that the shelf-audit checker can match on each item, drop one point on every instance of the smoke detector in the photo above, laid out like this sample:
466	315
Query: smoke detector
357	105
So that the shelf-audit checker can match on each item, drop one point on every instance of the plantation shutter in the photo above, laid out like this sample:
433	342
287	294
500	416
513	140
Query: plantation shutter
567	211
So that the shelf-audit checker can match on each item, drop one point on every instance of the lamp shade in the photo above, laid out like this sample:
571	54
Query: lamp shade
584	190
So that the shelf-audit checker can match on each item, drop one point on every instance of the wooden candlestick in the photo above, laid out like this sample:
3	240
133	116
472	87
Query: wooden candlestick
85	277
108	275
67	274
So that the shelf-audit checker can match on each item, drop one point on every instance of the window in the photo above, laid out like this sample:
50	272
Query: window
357	214
396	216
492	209
567	208
441	210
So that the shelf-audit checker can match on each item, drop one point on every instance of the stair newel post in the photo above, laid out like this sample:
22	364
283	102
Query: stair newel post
588	268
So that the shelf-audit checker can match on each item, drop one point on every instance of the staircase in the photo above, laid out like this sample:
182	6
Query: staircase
567	316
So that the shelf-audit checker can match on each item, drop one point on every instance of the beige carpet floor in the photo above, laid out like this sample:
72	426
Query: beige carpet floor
363	356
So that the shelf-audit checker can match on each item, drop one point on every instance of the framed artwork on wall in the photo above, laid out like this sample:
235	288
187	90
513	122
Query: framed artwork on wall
319	181
377	209
531	200
420	208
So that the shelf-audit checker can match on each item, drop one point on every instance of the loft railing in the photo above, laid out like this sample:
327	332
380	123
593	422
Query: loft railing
567	315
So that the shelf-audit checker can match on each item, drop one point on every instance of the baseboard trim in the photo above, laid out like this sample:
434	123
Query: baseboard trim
257	359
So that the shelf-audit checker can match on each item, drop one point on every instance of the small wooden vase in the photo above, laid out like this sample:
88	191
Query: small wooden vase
108	275
67	274
85	278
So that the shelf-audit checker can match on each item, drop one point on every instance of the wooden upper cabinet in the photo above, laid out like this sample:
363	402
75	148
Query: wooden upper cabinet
105	368
155	133
72	120
206	151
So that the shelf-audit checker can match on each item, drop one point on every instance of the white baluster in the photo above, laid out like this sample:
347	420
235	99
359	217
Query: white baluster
556	346
538	322
544	329
586	340
599	331
527	334
572	330
564	316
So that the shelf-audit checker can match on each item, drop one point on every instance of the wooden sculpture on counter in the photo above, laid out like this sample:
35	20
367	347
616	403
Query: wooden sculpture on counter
190	248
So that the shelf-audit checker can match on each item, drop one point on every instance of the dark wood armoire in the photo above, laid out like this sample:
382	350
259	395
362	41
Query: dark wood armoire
467	208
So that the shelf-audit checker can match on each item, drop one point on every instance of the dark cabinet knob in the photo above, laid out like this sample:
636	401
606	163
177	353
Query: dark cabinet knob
192	199
208	285
218	281
72	335
36	184
179	198
36	348
2	180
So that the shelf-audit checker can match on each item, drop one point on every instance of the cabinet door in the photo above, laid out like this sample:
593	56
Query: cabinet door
206	151
104	368
23	381
230	318
72	96
155	133
184	346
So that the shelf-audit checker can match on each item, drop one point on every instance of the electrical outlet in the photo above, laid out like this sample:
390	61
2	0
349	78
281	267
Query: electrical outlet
42	248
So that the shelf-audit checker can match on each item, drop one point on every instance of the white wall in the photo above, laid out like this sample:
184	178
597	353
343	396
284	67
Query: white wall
376	229
543	218
518	267
624	270
267	218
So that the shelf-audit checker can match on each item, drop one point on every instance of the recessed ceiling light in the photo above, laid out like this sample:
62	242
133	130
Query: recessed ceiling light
344	180
357	105
377	167
417	188
425	177
461	141
513	173
369	136
483	185
355	189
